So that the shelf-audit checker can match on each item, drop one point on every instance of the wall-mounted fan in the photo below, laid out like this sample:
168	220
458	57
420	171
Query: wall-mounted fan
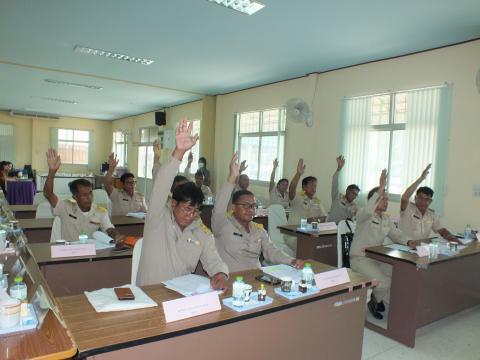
298	111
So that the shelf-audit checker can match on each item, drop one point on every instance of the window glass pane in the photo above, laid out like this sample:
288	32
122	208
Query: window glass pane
65	134
119	151
400	108
249	122
249	147
268	153
118	136
380	110
65	151
142	154
153	135
80	153
144	135
395	183
80	135
270	120
378	147
148	170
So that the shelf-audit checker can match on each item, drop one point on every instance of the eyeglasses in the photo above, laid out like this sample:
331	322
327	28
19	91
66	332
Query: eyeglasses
188	210
248	206
424	198
130	182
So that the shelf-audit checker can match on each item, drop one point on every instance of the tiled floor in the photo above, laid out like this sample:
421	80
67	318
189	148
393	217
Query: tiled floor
456	337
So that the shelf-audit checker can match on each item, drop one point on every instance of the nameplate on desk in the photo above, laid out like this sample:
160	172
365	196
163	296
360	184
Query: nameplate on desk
191	306
327	226
331	278
59	251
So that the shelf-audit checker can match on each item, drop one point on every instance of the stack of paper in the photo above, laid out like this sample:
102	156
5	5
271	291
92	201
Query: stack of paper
105	300
100	239
401	248
189	285
281	270
138	215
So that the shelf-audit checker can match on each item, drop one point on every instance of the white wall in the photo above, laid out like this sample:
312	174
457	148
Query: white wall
319	145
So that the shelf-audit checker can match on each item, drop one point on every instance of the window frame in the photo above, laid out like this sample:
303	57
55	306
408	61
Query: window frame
73	142
124	145
260	134
148	145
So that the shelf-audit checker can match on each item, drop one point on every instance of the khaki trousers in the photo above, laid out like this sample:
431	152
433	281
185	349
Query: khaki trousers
374	269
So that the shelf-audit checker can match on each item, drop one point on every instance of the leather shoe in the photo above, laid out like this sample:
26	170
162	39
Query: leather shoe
373	310
380	306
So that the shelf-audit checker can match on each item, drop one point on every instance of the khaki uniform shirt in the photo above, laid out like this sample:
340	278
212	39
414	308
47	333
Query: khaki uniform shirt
341	208
277	198
303	208
167	251
372	229
205	189
237	247
416	225
75	222
122	203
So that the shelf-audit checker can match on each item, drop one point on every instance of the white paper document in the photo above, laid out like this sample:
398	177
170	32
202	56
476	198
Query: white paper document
138	215
282	270
189	285
105	300
401	247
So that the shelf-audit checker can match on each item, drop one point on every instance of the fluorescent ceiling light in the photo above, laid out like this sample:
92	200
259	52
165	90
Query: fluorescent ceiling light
58	82
64	101
248	7
112	55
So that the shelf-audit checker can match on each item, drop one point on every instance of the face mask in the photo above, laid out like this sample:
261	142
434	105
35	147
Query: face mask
201	165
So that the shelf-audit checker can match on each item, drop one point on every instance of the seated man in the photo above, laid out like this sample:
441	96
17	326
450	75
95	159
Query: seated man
78	215
199	178
343	206
240	241
305	205
373	225
278	193
175	239
416	219
126	199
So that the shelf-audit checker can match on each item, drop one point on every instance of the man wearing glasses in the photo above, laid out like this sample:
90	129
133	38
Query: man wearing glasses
126	199
416	219
240	241
174	237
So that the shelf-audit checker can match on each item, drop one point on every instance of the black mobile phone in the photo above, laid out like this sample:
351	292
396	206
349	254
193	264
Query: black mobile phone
268	279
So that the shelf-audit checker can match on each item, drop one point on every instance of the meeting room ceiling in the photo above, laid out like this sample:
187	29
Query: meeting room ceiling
200	48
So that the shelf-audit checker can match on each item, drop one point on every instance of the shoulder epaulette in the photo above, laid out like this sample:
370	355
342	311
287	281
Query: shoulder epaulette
204	227
101	209
257	225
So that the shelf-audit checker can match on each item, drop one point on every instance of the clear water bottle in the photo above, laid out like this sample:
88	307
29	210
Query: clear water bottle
467	234
307	275
238	293
19	289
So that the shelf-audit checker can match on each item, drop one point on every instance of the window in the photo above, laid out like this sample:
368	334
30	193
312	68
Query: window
260	138
145	151
7	142
400	131
120	147
73	146
195	151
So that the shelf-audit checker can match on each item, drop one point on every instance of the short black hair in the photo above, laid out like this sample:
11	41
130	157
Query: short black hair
307	180
239	193
176	180
73	185
425	190
189	193
126	176
202	159
282	180
199	173
373	191
353	187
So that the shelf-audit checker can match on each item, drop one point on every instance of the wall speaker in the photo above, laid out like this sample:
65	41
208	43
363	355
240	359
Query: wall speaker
160	118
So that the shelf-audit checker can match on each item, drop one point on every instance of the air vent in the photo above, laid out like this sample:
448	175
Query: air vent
34	115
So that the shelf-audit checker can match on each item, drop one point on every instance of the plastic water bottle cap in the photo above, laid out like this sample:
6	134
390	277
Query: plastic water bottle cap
239	278
18	279
308	265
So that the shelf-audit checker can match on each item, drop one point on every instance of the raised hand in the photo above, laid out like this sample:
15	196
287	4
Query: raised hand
112	162
340	162
426	171
383	179
243	166
275	163
183	136
234	168
301	167
157	149
53	160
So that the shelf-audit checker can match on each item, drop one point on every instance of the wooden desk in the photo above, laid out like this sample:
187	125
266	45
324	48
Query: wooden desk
315	327
39	230
72	276
425	290
321	246
24	211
